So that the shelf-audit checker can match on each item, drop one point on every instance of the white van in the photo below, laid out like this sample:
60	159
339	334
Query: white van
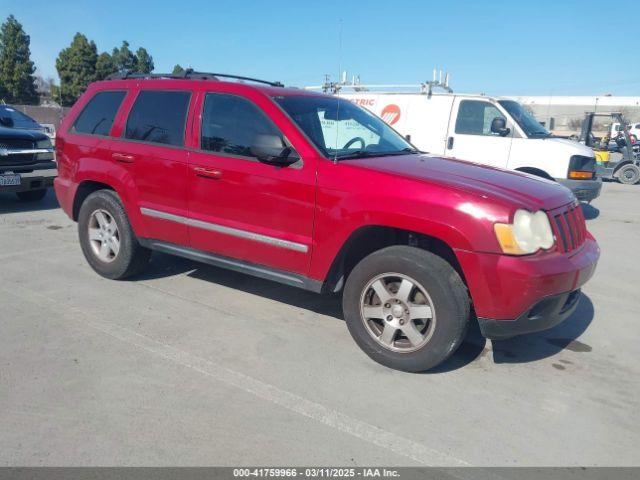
486	130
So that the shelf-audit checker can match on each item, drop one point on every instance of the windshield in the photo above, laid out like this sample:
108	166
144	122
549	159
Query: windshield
20	120
341	129
530	126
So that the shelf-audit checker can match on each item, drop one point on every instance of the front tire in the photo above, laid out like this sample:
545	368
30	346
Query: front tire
107	239
406	308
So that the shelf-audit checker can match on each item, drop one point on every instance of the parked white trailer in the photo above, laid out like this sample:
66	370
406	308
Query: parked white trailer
487	130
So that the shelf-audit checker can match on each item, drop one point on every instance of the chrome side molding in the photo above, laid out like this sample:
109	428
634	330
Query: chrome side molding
234	232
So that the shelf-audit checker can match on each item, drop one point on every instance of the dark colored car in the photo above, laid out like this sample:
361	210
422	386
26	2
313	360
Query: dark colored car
27	159
315	192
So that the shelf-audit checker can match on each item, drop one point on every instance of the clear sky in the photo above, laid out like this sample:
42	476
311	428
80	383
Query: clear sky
498	47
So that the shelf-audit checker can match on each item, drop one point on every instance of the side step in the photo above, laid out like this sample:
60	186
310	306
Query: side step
268	273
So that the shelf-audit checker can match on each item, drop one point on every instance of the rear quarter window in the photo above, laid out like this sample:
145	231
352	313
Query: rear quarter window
158	117
98	115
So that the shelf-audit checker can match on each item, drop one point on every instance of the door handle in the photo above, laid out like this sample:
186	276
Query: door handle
449	143
207	173
122	157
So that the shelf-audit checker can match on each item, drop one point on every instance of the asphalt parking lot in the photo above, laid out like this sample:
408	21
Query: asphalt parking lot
193	365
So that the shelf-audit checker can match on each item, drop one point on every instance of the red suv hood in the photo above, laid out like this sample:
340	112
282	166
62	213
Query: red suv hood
508	186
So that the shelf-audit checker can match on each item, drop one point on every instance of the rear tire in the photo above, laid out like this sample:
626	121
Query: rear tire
629	174
32	195
107	239
425	315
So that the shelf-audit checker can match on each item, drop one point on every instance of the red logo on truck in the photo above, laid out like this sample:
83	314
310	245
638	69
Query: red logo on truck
390	114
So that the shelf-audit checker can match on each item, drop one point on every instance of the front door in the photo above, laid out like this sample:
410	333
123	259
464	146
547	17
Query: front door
243	208
470	137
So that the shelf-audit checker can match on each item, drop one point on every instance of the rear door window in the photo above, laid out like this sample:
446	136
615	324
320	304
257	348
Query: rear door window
475	117
158	117
231	125
98	115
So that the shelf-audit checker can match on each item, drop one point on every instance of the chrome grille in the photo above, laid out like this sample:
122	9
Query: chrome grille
569	228
13	143
19	158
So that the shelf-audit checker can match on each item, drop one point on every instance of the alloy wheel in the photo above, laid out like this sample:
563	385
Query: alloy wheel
397	312
104	236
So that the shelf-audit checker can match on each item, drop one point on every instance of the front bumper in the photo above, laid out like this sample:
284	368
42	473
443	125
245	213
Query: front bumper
545	314
34	180
584	190
510	289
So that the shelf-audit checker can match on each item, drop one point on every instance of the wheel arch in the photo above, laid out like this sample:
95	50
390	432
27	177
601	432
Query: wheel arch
368	239
86	188
535	171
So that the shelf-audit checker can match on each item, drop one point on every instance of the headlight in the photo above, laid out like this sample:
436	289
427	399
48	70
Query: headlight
46	143
581	167
528	233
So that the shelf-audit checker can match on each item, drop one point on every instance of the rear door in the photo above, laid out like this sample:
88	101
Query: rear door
240	207
150	145
470	137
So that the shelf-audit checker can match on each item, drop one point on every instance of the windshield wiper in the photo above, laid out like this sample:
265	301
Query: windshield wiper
370	153
357	154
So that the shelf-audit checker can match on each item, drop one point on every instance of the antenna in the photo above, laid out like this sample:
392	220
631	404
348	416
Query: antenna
427	87
335	155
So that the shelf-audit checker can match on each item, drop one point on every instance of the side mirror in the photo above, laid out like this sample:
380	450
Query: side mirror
6	121
499	126
272	150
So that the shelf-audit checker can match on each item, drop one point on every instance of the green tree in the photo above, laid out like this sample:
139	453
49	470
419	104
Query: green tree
17	83
105	66
177	70
76	67
144	61
123	58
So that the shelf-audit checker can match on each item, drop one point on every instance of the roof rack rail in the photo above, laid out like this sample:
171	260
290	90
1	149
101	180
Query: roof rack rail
189	73
424	87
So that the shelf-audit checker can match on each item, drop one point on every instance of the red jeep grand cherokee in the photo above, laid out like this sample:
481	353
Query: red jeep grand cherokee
315	192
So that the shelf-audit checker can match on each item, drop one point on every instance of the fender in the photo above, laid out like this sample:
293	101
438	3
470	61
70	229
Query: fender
119	178
469	227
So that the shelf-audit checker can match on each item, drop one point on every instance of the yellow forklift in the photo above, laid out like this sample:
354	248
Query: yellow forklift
626	170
